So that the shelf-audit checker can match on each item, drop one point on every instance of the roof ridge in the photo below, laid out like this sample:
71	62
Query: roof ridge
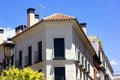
58	16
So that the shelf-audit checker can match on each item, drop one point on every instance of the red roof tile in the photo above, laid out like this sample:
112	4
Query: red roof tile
58	16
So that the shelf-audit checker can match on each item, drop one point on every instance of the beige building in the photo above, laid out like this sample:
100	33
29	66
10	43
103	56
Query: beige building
56	45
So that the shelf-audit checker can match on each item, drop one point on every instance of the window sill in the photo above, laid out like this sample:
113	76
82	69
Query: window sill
38	61
59	58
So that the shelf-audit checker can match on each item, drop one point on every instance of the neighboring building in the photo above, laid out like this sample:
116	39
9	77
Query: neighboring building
116	77
1	51
1	36
6	52
57	46
6	55
105	70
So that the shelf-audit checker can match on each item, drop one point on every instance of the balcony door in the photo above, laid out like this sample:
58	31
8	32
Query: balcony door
59	73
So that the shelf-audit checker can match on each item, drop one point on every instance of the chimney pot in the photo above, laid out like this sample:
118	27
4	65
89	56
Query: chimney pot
37	16
1	31
30	10
83	25
1	36
20	28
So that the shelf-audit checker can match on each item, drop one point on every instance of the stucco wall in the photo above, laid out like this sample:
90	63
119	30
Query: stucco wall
80	46
1	38
46	34
31	38
58	30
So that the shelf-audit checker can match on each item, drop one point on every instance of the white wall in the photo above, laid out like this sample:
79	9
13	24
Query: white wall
95	45
30	39
1	38
80	46
70	69
47	35
58	30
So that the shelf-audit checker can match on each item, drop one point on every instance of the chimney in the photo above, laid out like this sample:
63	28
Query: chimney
32	18
20	29
1	36
83	25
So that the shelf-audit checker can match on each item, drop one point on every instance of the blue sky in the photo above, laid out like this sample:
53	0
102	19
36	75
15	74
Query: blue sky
102	18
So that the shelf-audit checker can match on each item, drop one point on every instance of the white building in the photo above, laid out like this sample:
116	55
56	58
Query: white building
6	52
1	36
56	45
105	70
1	51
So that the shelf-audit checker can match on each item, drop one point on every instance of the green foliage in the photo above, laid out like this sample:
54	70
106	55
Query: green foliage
99	41
21	74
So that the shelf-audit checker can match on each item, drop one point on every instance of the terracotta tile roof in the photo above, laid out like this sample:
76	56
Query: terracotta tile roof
58	16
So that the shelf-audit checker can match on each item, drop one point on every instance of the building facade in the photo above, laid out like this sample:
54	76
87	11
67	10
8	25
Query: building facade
57	46
105	70
1	36
1	49
6	52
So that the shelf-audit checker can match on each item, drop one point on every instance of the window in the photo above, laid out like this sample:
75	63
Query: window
40	51
12	60
83	60
29	55
99	54
88	67
79	56
59	73
38	54
20	59
59	48
86	64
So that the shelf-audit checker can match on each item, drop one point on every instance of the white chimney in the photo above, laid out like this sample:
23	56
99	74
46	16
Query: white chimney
1	36
32	18
83	25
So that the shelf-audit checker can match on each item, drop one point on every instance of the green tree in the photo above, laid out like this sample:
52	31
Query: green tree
21	74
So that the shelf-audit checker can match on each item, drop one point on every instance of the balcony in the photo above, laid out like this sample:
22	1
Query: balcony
102	67
59	58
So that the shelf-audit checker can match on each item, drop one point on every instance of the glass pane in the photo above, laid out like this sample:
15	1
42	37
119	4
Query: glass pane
59	73
59	49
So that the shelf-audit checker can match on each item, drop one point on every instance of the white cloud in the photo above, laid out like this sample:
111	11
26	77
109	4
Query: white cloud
113	62
8	32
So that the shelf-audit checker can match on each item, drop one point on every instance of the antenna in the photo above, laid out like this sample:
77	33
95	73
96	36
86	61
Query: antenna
40	8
